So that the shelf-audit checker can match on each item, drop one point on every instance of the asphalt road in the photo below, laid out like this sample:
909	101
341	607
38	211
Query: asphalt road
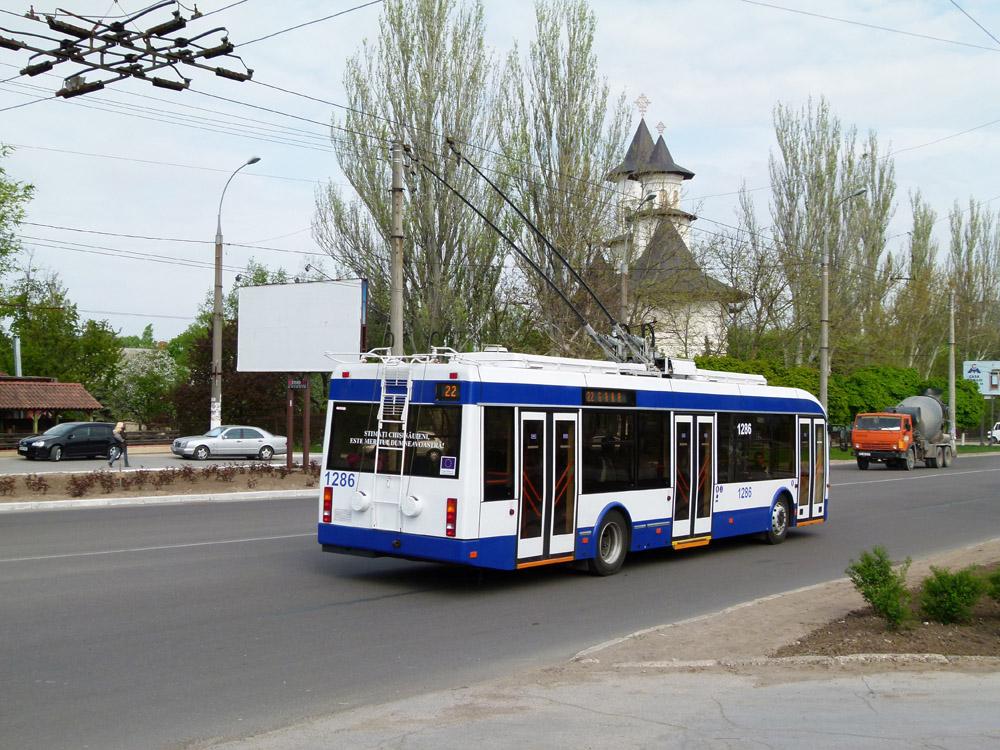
159	626
13	464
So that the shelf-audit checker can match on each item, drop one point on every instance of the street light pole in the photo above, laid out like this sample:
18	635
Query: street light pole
215	416
824	314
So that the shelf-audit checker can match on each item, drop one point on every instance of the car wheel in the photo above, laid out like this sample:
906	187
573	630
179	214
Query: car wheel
611	541
201	452
863	464
55	454
778	529
266	453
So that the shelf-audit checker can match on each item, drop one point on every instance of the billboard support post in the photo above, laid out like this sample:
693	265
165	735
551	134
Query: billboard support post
307	395
290	423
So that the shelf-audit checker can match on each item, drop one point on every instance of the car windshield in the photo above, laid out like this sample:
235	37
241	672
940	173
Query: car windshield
216	432
877	423
60	429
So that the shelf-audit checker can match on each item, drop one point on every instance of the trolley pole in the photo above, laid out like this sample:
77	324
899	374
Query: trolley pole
951	364
396	300
824	329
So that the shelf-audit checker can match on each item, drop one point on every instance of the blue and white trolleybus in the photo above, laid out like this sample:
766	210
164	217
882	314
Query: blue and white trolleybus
504	460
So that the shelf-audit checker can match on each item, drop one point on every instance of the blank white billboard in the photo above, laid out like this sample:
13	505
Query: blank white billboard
291	327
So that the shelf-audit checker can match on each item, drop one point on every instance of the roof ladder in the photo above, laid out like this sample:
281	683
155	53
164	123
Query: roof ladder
393	411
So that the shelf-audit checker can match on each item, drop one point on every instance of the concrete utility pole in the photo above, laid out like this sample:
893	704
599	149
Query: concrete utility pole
824	315
951	364
396	300
215	415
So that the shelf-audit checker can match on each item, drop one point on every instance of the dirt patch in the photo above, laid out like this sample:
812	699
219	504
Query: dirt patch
863	632
186	480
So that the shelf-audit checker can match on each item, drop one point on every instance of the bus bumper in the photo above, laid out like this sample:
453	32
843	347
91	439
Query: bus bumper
492	552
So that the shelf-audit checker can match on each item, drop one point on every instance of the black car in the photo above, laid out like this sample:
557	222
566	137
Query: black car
70	440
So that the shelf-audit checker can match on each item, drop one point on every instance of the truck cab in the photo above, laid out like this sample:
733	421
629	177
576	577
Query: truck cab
994	434
883	437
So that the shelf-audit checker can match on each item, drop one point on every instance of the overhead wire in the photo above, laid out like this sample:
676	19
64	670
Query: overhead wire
868	25
308	23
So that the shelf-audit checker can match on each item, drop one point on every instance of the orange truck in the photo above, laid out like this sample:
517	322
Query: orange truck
900	436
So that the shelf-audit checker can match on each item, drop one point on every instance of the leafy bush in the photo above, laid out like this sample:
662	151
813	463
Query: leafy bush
993	584
7	485
949	597
36	483
107	481
80	484
881	586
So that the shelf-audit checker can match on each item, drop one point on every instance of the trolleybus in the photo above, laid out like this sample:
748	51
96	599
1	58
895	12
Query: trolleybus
503	460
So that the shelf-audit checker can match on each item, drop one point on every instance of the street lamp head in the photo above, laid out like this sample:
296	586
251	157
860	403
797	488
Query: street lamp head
859	191
253	160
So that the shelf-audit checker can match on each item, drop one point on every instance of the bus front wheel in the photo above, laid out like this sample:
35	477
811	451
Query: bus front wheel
611	541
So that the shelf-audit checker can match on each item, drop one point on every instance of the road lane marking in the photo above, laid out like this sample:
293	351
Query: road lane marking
153	549
920	476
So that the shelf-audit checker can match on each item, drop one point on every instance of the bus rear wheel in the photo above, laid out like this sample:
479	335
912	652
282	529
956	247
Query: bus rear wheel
778	529
611	541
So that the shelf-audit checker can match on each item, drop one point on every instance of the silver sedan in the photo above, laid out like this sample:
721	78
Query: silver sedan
230	441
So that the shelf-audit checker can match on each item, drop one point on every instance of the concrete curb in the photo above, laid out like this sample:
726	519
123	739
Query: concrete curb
791	661
121	502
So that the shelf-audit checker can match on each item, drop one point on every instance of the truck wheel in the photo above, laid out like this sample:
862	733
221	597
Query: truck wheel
949	456
931	462
863	464
911	460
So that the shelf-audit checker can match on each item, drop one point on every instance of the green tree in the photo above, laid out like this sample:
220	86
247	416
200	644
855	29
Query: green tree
143	387
145	341
427	77
14	196
561	134
55	342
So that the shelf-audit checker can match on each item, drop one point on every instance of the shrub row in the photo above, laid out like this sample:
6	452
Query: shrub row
80	485
945	596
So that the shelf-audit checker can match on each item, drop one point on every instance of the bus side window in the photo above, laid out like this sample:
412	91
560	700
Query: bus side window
498	453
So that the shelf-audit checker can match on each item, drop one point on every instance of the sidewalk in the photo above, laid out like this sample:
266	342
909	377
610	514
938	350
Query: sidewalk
703	683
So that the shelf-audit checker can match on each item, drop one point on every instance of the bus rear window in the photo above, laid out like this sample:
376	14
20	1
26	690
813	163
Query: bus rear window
433	437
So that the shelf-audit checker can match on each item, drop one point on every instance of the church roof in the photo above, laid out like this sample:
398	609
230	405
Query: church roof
661	161
668	266
638	152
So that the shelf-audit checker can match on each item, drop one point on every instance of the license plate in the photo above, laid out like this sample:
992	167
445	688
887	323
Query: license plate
864	453
22	450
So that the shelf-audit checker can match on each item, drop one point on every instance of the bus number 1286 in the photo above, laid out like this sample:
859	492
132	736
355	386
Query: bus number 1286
340	479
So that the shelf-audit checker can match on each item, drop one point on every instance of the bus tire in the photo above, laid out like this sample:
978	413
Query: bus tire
610	545
780	515
863	464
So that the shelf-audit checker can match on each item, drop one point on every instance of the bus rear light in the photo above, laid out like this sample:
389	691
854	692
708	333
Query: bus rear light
327	504
453	375
345	374
473	555
451	512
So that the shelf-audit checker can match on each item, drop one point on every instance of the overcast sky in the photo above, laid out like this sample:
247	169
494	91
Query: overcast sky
712	69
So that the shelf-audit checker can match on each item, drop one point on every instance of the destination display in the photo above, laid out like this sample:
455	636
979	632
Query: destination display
608	397
447	392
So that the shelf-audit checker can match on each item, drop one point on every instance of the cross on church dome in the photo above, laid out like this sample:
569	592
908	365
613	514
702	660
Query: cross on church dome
660	127
643	104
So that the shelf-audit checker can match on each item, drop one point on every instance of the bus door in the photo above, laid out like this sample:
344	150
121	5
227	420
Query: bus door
549	486
694	475
812	468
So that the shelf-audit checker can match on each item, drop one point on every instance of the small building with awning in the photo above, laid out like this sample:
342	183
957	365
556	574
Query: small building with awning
26	400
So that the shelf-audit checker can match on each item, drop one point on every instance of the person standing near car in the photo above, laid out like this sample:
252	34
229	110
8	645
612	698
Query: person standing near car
121	444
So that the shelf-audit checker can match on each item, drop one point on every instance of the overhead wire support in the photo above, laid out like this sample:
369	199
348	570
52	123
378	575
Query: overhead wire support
113	51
